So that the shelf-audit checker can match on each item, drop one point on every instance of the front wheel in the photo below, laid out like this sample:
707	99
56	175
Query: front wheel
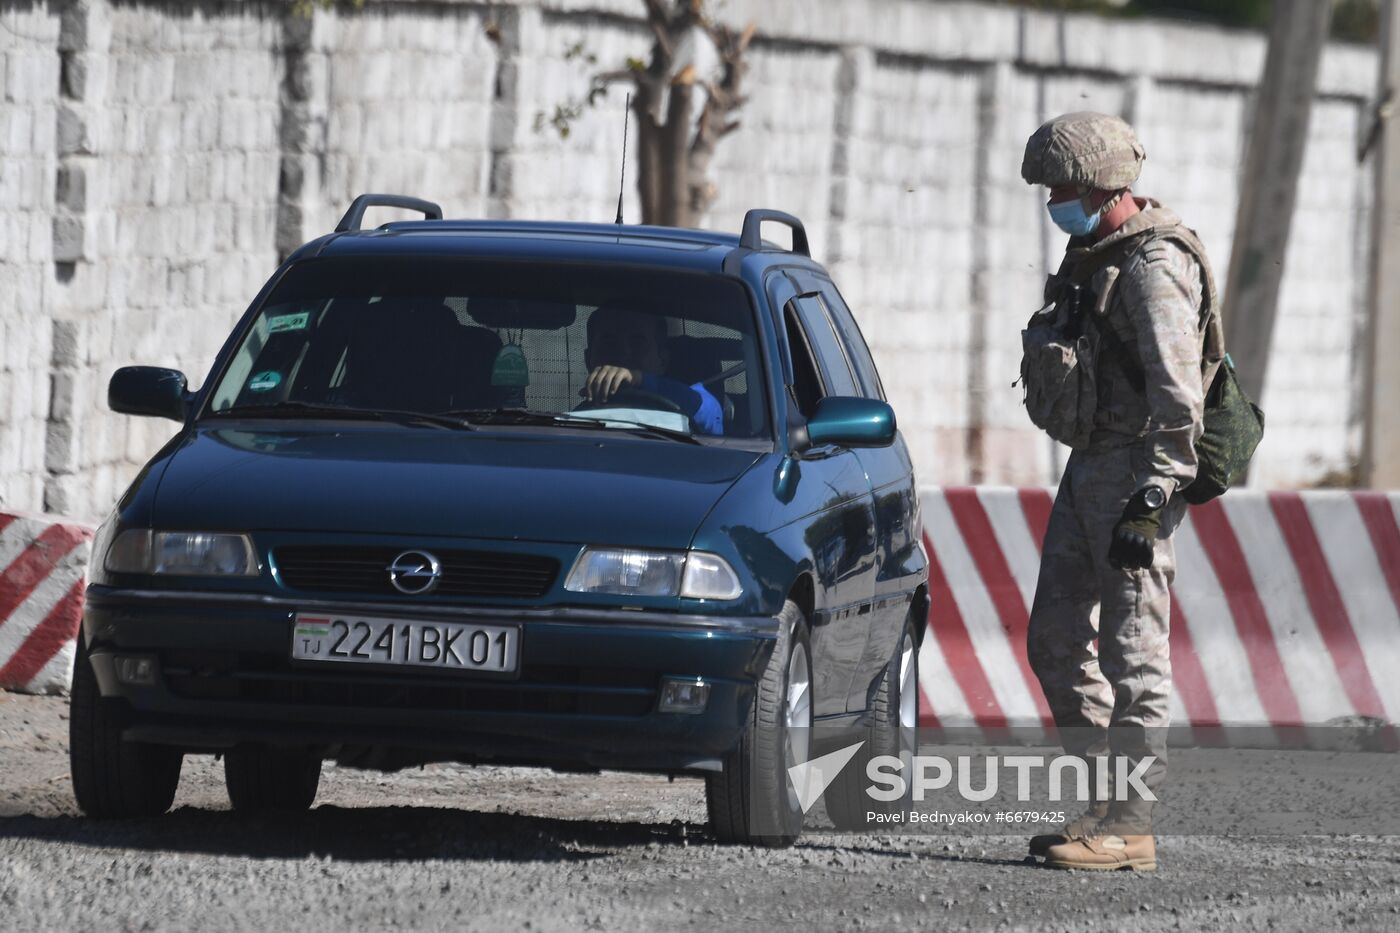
892	732
114	778
752	801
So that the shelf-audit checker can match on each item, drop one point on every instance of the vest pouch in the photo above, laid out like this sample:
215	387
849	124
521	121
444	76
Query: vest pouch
1057	375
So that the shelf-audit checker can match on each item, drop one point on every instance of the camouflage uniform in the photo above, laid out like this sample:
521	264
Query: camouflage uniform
1158	300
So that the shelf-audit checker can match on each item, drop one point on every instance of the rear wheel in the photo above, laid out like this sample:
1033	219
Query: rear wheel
752	801
262	778
894	720
114	778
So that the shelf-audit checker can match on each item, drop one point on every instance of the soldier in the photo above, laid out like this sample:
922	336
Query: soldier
1144	294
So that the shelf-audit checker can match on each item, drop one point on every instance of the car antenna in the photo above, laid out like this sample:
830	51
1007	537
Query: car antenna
622	182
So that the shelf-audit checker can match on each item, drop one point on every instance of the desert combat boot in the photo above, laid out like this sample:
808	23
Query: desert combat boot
1106	852
1082	825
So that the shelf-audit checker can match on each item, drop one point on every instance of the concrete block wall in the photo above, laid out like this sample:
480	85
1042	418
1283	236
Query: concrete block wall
407	93
786	145
29	97
175	137
1014	247
1315	371
160	157
540	175
907	246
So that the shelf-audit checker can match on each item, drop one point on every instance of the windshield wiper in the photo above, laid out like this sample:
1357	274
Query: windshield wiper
293	409
515	416
641	427
531	416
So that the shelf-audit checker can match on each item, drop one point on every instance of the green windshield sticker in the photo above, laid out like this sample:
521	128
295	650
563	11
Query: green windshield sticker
284	322
265	382
510	367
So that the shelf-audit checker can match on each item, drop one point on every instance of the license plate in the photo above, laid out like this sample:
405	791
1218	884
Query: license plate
448	646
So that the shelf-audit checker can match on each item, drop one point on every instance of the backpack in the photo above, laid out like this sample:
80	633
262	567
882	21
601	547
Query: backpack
1061	355
1234	428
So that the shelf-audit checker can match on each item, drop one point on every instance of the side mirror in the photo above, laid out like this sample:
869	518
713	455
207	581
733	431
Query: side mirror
148	390
851	422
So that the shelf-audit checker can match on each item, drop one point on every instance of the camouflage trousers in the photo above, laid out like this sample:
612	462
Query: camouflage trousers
1097	638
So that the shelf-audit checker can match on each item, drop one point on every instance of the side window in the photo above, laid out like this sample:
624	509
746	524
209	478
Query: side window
827	346
807	386
856	349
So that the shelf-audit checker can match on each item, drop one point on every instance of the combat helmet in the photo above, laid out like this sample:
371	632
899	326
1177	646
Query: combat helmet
1085	150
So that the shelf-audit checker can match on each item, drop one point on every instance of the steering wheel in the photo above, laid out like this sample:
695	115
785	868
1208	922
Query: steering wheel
640	398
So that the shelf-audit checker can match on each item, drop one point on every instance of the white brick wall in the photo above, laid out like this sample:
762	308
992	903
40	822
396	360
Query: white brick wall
907	249
29	91
144	200
574	178
409	94
181	206
1315	366
781	154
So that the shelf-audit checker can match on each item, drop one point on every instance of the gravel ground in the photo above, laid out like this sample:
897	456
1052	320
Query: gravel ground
459	848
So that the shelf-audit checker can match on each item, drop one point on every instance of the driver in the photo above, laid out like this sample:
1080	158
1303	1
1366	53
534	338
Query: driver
627	350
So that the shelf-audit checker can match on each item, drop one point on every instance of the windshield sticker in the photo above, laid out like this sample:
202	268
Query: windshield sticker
510	367
285	322
265	382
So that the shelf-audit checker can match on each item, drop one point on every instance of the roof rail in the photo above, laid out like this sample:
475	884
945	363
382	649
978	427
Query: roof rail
751	237
352	218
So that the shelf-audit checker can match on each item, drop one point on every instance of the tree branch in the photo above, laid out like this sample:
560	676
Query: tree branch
675	145
722	98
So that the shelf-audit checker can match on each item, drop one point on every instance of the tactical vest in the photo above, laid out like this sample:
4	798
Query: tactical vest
1065	345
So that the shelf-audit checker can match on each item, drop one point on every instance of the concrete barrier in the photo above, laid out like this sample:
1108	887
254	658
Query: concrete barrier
42	563
1285	612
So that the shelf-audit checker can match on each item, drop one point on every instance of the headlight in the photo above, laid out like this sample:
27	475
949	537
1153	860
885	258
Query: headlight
626	572
182	553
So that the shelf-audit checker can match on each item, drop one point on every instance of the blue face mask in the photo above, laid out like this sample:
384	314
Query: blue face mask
1071	217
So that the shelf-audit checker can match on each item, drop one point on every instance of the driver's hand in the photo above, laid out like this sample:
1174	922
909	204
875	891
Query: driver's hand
606	381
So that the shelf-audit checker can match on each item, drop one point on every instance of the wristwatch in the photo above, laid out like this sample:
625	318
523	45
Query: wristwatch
1153	497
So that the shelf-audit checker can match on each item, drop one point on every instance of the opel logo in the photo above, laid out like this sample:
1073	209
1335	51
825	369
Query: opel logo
415	573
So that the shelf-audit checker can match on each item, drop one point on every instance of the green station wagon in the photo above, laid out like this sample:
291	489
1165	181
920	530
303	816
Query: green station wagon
569	495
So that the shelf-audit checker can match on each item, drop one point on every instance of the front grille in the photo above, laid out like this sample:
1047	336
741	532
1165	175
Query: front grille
345	569
255	677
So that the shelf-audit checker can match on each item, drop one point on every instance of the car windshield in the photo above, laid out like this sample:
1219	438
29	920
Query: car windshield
503	343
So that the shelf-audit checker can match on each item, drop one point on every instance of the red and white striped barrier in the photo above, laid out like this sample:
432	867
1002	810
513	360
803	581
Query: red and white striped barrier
1285	610
42	562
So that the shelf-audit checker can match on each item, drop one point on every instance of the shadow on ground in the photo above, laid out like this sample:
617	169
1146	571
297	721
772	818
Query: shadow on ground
359	834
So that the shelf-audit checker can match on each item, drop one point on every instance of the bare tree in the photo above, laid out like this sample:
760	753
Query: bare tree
676	144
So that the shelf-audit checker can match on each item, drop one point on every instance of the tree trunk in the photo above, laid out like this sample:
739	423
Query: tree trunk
674	209
675	147
649	164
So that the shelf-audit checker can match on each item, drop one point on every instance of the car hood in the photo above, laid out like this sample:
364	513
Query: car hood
595	487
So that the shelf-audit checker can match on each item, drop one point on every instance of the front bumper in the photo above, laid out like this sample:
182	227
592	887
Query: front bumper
586	695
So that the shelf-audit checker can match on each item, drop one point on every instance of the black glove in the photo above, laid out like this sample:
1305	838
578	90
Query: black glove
1137	529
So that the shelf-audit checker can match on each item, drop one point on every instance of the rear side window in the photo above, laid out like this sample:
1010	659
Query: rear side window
856	349
827	346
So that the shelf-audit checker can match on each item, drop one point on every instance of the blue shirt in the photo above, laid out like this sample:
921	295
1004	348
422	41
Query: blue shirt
696	401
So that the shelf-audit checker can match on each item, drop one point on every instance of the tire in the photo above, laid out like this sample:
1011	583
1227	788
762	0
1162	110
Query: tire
263	779
751	801
114	778
894	720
